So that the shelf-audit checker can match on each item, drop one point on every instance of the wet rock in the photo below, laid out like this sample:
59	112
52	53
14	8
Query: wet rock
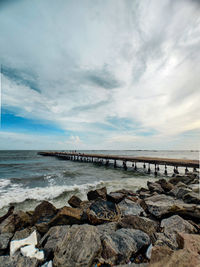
15	221
119	247
52	238
102	211
179	192
10	211
155	187
98	193
166	186
79	247
18	261
128	207
4	242
115	197
141	223
192	197
74	202
44	212
175	224
67	215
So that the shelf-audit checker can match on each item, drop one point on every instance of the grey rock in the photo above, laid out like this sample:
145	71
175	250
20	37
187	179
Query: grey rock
141	223
192	197
179	192
155	187
195	188
79	247
107	228
18	261
166	240
119	247
115	197
128	207
25	233
52	238
4	241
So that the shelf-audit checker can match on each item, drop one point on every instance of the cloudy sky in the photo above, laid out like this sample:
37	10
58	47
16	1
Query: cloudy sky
100	74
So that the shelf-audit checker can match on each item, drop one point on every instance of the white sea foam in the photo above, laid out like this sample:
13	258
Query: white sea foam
3	184
18	194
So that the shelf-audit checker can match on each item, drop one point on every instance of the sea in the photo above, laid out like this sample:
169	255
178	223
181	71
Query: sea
27	178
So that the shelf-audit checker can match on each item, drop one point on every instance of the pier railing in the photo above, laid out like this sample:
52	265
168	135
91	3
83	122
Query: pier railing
85	157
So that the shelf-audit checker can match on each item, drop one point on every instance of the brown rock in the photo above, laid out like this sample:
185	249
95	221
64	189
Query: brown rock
25	233
44	212
98	193
102	211
141	223
190	242
126	192
42	228
10	211
67	215
166	186
115	197
74	202
158	253
155	187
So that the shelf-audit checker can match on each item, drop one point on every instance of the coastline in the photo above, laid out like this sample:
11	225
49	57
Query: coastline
156	226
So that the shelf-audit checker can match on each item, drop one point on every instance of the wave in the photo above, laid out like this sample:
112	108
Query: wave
17	194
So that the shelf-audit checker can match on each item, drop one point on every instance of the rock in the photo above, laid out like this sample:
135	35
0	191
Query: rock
52	238
42	228
166	186
44	212
128	207
67	215
158	253
179	192
18	261
169	240
155	187
79	247
48	264
195	188
134	265
175	224
15	221
141	223
25	233
126	192
190	242
161	204
10	211
192	197
145	194
98	193
115	197
178	178
107	228
17	244
4	242
74	202
119	246
102	211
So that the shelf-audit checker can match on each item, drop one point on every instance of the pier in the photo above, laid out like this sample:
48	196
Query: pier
146	161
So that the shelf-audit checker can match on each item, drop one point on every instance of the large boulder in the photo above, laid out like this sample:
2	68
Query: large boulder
128	207
25	233
192	197
102	211
15	221
98	193
52	238
166	186
44	212
75	202
115	197
179	192
155	187
141	223
119	246
107	228
67	215
79	247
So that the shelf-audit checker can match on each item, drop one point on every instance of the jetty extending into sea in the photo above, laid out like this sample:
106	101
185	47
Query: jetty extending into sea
106	159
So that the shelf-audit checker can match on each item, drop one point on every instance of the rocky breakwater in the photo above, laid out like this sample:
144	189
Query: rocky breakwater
155	226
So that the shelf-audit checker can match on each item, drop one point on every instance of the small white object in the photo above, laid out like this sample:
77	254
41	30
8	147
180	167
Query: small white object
149	251
32	252
48	264
17	244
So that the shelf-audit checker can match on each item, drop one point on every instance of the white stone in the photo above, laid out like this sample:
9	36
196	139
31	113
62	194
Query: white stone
32	252
48	264
149	251
17	244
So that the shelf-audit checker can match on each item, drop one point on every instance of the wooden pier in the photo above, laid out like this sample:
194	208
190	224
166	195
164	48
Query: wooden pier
101	158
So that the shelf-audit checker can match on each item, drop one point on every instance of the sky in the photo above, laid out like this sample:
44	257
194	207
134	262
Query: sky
100	74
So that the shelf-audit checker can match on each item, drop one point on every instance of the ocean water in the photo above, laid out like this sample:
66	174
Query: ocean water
27	178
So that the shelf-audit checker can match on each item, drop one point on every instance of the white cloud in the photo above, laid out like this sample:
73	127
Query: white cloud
132	60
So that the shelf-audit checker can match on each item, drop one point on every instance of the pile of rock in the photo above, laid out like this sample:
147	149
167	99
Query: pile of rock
156	226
